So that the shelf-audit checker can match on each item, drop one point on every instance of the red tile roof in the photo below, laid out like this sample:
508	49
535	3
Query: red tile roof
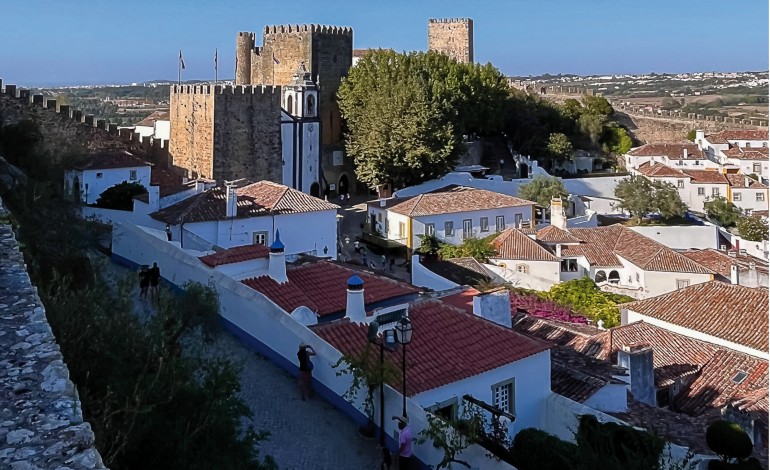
584	339
602	245
553	234
672	151
448	345
513	244
235	255
322	287
462	300
740	134
720	262
743	153
254	200
111	158
731	312
743	182
451	199
705	177
149	121
659	170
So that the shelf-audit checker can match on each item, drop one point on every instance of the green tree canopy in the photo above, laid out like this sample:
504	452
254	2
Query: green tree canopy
616	140
722	211
597	105
585	298
729	441
641	197
542	189
752	228
120	196
667	201
478	248
560	147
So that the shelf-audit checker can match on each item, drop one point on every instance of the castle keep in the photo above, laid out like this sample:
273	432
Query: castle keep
453	37
225	132
327	53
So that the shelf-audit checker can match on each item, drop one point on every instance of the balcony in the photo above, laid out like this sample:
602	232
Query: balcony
373	236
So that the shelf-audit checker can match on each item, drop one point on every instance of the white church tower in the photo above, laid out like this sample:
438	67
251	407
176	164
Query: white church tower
301	134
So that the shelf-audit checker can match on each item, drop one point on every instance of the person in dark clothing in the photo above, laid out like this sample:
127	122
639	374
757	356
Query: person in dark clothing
168	232
305	370
154	281
387	460
144	282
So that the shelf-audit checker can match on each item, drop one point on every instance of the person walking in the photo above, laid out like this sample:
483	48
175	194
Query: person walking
384	261
357	246
144	282
305	370
154	281
387	460
168	232
363	258
404	443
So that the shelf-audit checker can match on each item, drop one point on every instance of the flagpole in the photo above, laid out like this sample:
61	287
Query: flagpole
179	68
216	65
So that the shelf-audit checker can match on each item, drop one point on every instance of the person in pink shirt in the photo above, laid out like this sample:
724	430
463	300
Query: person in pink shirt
404	443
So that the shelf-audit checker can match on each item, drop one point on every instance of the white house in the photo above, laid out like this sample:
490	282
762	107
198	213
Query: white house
102	170
300	134
157	125
681	155
523	261
728	315
742	149
748	193
228	217
452	214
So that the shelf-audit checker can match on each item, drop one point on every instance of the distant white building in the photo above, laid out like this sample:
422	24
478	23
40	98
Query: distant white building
157	125
742	149
102	170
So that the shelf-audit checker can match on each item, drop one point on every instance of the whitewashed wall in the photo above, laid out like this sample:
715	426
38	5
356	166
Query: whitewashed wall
424	277
659	283
509	214
542	275
92	187
682	237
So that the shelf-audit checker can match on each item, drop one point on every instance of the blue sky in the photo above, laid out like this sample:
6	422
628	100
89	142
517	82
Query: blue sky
79	41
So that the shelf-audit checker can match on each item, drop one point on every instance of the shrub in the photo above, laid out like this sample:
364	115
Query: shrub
612	446
728	440
120	196
534	449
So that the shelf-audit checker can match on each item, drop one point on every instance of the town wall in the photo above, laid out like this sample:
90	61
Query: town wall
453	37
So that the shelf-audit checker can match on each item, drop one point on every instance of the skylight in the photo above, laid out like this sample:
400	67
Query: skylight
740	377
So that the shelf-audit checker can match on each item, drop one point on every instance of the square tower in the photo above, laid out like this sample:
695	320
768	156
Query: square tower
453	37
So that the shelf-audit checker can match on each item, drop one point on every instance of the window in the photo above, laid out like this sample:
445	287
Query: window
449	229
500	223
764	144
760	196
132	175
401	230
701	191
260	238
290	104
740	377
600	276
736	196
379	217
569	265
663	397
748	145
680	183
517	220
682	283
757	168
311	105
715	191
467	228
614	277
522	268
100	175
484	222
696	162
446	409
502	397
430	230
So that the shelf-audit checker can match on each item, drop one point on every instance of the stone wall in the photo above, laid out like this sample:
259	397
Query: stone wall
453	37
41	422
226	133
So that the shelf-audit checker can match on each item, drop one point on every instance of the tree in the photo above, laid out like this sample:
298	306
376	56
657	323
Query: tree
542	189
640	197
452	436
559	147
616	140
691	135
722	211
597	105
478	248
592	125
585	298
729	441
121	196
752	228
667	201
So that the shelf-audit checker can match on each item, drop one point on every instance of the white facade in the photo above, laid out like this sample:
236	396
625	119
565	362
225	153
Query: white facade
301	135
90	184
682	237
748	167
536	275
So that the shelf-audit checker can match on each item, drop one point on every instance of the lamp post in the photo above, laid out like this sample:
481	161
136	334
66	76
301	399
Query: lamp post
404	335
389	343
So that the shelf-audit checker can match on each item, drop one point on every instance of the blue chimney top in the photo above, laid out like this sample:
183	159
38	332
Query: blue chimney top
277	246
355	282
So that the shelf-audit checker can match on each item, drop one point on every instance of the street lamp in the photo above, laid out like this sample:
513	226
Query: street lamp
404	335
389	343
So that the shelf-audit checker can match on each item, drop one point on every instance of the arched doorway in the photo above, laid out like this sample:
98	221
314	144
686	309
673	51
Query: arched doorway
614	277
76	190
523	170
601	276
343	186
290	104
315	190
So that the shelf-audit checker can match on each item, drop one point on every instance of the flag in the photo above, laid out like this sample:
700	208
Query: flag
216	58
274	59
181	60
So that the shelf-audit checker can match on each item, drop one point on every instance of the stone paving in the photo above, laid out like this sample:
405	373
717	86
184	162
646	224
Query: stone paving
41	423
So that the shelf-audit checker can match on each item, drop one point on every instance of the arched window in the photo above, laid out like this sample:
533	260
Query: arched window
311	105
601	276
614	277
290	104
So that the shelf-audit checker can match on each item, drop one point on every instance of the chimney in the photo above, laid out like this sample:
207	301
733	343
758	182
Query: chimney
558	217
637	359
232	201
495	306
355	309
684	153
200	186
276	267
699	136
734	275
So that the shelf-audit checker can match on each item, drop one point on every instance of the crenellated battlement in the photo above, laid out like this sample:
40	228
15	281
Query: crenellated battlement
449	20
225	89
311	28
247	35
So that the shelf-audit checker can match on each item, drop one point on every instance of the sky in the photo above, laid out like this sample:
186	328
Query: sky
46	42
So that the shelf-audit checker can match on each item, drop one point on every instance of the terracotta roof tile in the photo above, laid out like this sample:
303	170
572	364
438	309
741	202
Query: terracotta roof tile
553	234
705	177
111	158
744	153
672	151
743	182
513	244
730	312
659	170
720	262
462	271
322	287
448	346
452	199
254	200
149	121
577	376
237	254
584	339
740	134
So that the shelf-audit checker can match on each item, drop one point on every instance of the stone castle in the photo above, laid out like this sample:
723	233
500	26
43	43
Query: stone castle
453	37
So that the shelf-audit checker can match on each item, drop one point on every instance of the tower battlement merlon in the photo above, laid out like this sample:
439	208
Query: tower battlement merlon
450	20
312	28
223	89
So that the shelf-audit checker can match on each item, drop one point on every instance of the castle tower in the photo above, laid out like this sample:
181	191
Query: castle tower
453	37
300	128
244	44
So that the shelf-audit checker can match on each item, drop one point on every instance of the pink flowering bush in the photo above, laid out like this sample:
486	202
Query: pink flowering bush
538	307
